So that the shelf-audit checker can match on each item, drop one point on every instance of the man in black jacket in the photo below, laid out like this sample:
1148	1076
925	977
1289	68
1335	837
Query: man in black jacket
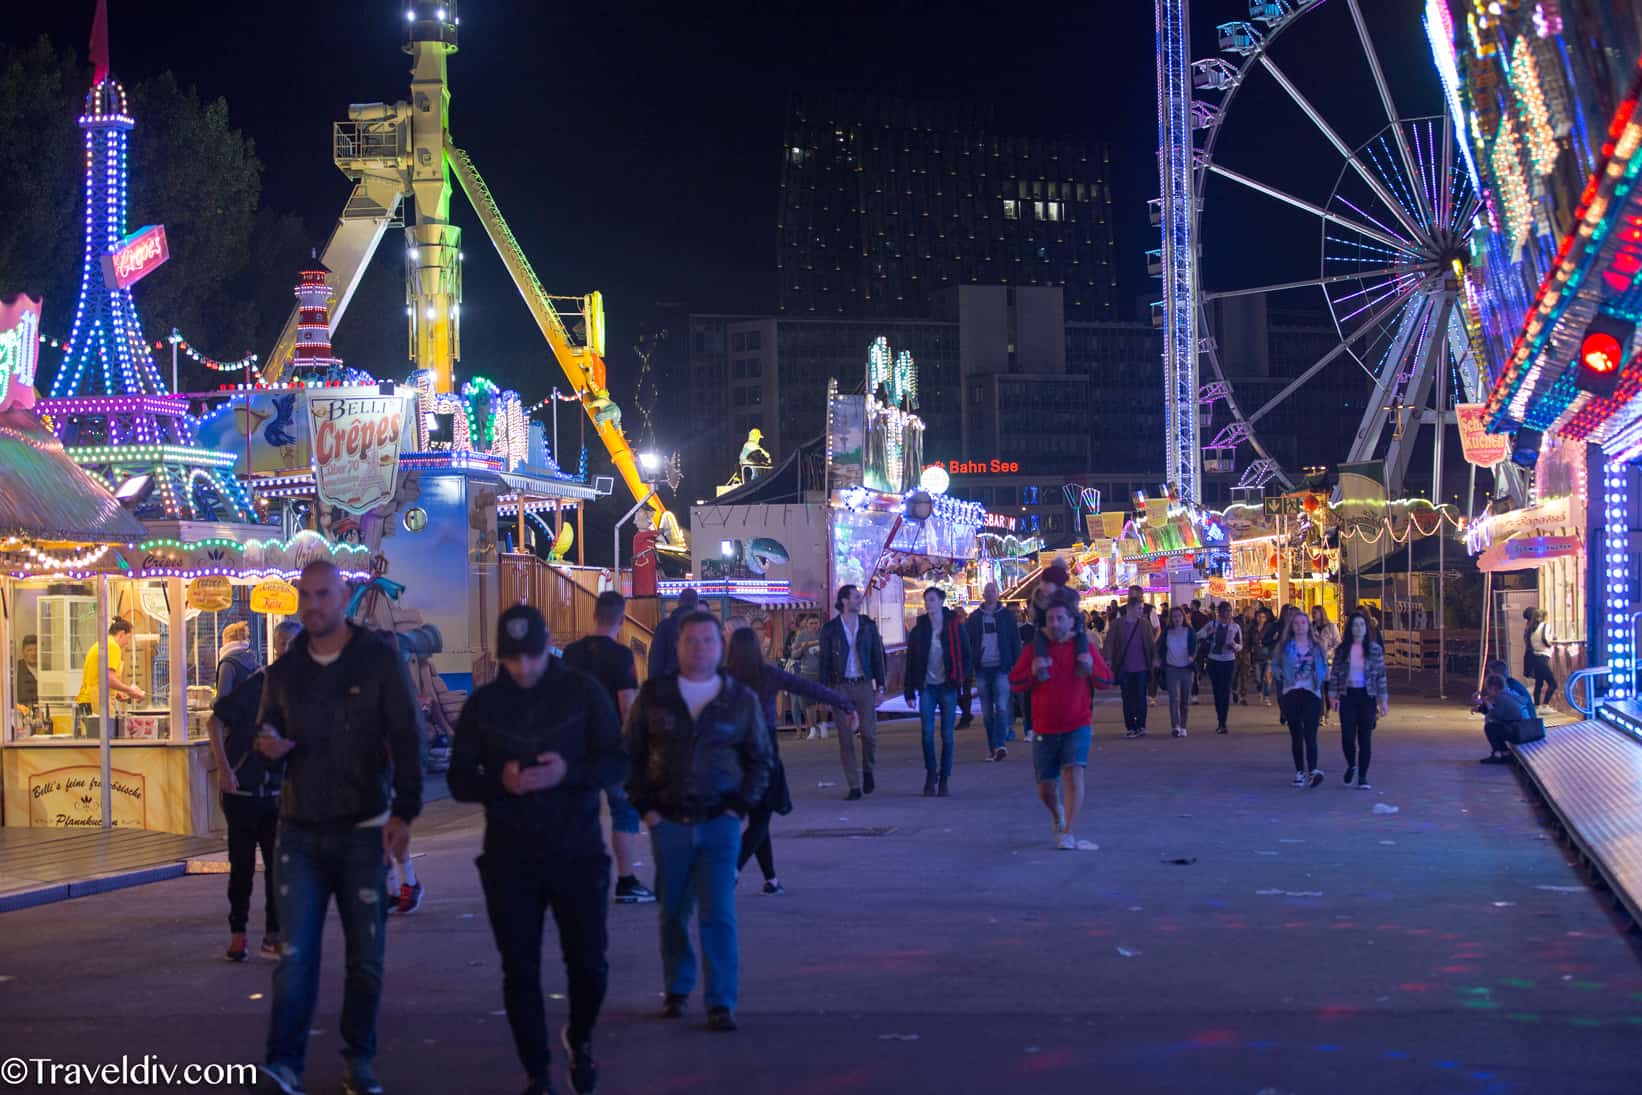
536	746
938	657
852	661
250	802
340	711
664	643
700	759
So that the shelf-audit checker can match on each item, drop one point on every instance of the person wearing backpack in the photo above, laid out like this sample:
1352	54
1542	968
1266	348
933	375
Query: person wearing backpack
249	783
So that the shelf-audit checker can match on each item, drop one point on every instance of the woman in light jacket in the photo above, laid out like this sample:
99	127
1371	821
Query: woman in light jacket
1300	674
1359	692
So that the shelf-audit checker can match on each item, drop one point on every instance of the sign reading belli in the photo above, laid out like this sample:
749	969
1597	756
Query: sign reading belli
135	257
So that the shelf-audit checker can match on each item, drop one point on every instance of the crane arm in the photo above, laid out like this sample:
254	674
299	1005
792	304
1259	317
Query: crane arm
581	364
371	208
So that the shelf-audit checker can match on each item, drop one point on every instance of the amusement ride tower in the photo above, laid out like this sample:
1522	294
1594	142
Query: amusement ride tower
130	431
404	150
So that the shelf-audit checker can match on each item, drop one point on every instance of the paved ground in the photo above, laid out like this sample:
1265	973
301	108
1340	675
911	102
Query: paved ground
1309	944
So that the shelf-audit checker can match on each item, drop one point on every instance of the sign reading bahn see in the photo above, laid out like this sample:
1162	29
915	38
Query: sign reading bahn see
979	467
135	257
356	439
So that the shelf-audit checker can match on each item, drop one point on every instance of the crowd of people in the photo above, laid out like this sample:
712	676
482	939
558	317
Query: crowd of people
320	764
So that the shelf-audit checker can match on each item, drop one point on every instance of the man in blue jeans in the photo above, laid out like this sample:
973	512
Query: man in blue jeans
340	711
938	657
701	757
995	639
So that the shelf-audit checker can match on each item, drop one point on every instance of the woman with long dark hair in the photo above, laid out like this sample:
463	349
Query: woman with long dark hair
1359	692
1260	639
745	662
1536	654
1299	672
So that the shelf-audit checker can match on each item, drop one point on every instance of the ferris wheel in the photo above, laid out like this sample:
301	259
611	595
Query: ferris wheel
1391	241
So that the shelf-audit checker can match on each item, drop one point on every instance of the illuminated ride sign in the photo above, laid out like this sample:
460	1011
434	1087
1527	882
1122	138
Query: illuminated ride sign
135	257
978	467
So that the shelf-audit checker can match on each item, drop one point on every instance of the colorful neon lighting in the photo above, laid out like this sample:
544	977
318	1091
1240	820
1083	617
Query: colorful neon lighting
1616	597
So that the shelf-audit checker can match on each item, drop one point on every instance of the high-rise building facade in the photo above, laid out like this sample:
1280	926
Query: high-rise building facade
886	201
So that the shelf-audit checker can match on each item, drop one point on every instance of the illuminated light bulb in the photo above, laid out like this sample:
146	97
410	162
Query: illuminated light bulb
410	17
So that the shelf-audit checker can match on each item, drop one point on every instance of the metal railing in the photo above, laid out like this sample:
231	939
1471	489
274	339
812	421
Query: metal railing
1569	689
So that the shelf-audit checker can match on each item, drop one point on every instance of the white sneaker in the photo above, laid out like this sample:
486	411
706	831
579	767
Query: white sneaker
1182	731
1299	779
1365	786
813	735
1316	779
1178	732
1068	843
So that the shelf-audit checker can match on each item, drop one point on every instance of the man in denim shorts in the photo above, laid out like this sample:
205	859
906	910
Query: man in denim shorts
1061	719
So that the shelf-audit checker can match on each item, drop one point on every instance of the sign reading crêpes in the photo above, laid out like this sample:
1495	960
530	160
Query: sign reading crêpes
135	257
274	596
356	439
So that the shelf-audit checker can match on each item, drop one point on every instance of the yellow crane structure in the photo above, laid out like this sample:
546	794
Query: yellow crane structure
403	150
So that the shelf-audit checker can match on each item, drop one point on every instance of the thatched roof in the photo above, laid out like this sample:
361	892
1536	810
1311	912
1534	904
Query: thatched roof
46	496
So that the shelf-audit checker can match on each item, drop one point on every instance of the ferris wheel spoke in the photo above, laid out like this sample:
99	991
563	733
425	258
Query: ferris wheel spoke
1321	363
1409	222
1252	290
1313	208
1385	92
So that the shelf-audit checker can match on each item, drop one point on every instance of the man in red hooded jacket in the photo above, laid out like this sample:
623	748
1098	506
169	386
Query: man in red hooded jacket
1061	711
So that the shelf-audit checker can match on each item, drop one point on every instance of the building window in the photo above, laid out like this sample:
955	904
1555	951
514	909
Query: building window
738	341
739	369
754	339
1029	496
1011	209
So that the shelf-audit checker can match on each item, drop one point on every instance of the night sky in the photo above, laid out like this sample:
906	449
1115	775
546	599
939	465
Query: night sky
635	148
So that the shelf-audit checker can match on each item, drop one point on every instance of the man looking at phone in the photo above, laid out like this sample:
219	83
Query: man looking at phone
340	711
536	746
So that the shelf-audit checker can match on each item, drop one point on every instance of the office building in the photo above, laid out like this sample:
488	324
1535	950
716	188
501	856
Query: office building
886	201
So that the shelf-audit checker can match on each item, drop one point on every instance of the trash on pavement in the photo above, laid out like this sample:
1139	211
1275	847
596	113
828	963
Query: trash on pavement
1383	808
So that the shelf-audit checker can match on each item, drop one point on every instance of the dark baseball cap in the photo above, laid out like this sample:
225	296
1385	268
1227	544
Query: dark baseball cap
520	630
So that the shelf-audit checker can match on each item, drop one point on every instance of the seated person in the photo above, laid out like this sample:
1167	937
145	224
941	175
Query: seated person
1501	700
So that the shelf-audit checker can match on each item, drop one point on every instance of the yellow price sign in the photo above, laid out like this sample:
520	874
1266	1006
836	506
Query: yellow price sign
273	596
213	593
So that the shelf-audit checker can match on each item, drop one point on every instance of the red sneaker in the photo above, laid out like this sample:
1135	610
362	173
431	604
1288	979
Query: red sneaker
236	948
410	899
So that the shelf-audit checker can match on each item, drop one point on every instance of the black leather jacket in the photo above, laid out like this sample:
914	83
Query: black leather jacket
568	713
869	651
357	730
692	770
